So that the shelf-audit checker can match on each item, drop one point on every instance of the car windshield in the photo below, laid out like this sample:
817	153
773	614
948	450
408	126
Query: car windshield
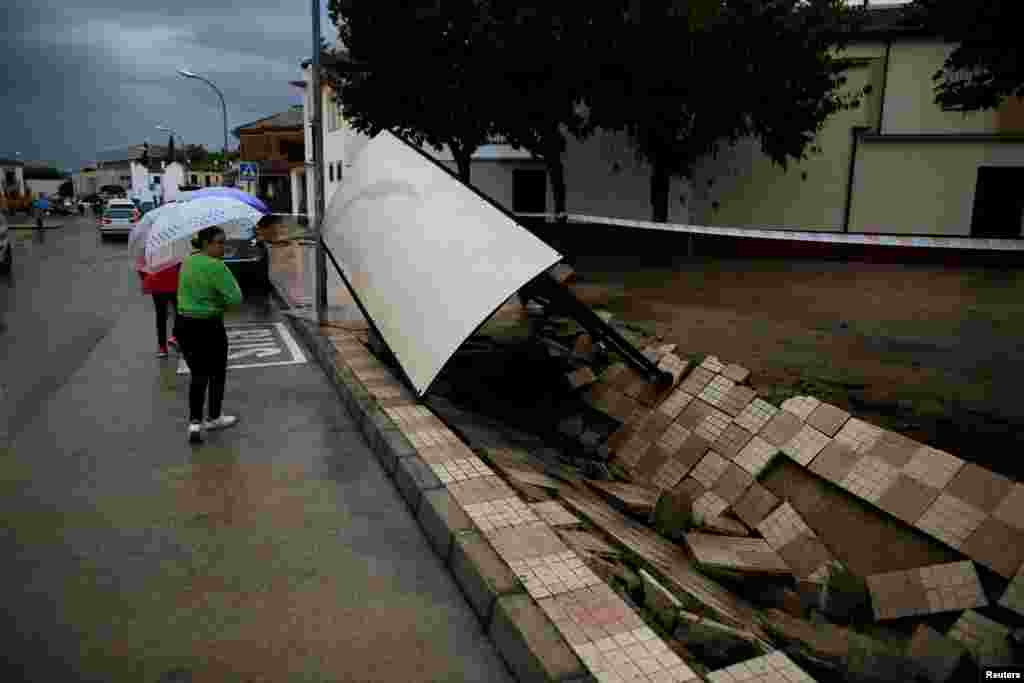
119	212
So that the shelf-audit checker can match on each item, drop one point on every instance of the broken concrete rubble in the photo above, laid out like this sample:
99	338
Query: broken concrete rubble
714	642
637	500
724	526
665	606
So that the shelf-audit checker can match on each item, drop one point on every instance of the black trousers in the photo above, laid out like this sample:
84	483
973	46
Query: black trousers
204	343
160	303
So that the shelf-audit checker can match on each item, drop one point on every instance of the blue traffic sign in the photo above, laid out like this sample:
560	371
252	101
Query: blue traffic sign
248	170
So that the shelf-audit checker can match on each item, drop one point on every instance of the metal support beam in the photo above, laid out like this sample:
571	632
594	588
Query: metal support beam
318	171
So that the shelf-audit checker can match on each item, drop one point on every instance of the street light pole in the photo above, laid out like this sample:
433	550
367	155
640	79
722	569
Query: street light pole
318	172
224	107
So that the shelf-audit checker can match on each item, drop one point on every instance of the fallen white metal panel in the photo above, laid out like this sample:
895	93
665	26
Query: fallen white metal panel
428	258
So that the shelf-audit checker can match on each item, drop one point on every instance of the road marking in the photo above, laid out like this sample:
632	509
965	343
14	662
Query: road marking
259	345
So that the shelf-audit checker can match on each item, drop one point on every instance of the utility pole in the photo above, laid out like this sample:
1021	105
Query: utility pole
318	172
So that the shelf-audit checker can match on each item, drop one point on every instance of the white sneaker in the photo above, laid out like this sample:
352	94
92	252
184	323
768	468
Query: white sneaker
195	432
222	422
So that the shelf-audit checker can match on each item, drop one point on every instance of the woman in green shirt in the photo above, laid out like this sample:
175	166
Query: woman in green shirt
205	288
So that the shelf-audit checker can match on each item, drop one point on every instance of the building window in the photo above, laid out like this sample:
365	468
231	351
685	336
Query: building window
330	171
998	203
195	179
529	191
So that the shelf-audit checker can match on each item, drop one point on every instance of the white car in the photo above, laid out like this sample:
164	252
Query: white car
5	246
119	218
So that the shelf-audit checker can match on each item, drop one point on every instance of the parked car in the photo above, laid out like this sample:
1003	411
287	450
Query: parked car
248	261
6	257
118	218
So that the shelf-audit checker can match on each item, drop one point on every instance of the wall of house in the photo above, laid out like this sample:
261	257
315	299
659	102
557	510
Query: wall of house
897	188
45	187
266	144
19	179
910	99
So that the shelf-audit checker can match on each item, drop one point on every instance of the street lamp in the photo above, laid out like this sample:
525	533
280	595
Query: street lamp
224	108
184	147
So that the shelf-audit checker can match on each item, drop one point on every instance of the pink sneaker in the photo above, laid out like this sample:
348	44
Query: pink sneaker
173	341
162	353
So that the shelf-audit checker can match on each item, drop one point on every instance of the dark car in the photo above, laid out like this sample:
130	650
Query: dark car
247	259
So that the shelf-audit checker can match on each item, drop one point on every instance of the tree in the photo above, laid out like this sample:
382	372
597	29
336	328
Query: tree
66	189
196	154
433	90
987	66
760	68
171	156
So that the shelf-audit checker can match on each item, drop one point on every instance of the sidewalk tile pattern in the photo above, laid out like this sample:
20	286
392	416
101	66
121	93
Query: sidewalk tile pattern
673	438
554	574
480	490
782	526
498	514
950	520
713	364
858	435
748	555
670	473
676	403
987	640
733	483
796	543
828	419
586	542
926	590
693	449
716	390
907	499
694	414
805	445
633	450
534	539
1013	598
869	479
708	506
461	470
1011	510
712	426
737	400
774	667
554	513
709	469
737	373
896	449
732	440
801	406
756	415
756	456
834	462
695	382
997	546
979	487
781	428
933	467
756	504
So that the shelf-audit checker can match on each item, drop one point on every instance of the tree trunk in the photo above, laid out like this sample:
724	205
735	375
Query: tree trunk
661	181
462	155
556	171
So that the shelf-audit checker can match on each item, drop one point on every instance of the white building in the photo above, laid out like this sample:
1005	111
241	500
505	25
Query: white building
12	176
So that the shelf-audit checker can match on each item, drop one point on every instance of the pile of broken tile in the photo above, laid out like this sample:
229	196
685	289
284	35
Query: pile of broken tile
691	517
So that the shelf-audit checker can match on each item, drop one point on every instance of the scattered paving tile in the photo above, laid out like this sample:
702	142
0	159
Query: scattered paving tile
696	380
895	449
637	499
585	542
997	546
480	490
716	390
805	445
1011	510
532	478
756	415
674	365
713	425
781	428
987	640
498	514
801	406
709	469
670	473
650	464
938	655
633	450
746	555
653	426
950	520
461	470
713	364
732	440
869	479
676	402
827	418
737	400
754	505
756	456
693	450
807	557
725	526
733	483
1013	598
979	487
737	373
858	435
782	526
926	590
581	378
907	499
933	467
554	574
835	462
694	414
708	506
775	667
554	513
673	437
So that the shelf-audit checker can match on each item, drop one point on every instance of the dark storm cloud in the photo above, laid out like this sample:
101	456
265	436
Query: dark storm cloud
80	77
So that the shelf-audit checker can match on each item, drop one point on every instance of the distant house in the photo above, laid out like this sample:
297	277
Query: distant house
43	179
277	145
12	176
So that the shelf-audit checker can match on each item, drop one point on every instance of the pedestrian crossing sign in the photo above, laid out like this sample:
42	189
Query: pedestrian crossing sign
248	170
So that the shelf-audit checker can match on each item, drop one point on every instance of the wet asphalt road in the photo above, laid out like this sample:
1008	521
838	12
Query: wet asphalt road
276	551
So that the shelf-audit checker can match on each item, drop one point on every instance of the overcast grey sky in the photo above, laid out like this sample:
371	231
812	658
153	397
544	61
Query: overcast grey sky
83	75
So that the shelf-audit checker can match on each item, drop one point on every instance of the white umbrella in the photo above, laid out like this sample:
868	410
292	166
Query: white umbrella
140	234
171	230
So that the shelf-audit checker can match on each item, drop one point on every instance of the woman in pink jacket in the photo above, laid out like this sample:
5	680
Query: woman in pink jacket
163	286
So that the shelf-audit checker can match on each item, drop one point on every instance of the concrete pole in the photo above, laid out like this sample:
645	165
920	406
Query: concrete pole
318	172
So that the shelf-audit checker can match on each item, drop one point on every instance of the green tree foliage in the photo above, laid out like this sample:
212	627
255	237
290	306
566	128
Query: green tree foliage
424	79
698	75
987	64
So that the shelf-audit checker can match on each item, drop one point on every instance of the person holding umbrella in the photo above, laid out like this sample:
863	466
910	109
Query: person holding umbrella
205	288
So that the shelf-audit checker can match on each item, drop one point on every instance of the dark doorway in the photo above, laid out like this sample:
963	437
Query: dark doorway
529	191
998	202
